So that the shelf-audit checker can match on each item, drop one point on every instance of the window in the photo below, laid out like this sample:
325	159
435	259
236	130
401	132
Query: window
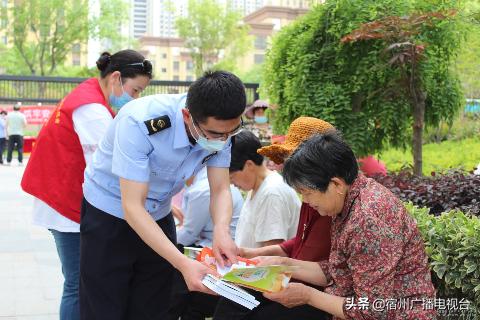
189	78
76	59
76	48
164	55
176	78
4	40
259	58
261	42
176	65
164	70
189	65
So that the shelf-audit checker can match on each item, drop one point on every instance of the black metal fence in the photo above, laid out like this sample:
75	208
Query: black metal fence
50	90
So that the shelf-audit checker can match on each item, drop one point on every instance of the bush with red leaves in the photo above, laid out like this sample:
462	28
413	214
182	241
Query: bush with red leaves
440	192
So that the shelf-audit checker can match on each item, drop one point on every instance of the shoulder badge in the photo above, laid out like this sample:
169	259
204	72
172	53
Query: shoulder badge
208	157
158	124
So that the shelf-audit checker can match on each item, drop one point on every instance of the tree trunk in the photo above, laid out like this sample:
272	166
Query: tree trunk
418	124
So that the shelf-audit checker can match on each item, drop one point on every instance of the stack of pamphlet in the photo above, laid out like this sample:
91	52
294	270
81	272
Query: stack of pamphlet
244	273
231	292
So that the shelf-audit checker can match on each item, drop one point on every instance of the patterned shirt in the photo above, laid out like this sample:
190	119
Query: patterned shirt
378	257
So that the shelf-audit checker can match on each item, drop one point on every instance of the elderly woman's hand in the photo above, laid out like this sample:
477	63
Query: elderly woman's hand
295	294
270	260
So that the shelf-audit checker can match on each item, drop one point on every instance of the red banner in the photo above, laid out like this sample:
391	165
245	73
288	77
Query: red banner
35	114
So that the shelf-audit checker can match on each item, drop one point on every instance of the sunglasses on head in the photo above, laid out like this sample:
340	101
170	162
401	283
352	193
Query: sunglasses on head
145	64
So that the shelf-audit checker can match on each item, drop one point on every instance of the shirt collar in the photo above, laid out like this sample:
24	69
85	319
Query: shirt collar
180	138
352	195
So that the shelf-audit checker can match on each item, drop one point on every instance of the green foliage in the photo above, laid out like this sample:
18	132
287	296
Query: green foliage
106	25
308	71
438	157
468	63
213	34
43	33
254	75
76	72
452	243
466	126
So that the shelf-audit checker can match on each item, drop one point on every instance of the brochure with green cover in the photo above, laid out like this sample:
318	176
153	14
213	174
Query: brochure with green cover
265	279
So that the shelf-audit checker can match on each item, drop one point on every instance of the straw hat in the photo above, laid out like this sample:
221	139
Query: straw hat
300	130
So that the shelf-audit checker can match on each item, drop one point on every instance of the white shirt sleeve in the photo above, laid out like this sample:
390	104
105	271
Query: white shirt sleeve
90	122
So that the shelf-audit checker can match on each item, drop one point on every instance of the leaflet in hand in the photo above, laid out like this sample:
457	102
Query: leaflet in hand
245	273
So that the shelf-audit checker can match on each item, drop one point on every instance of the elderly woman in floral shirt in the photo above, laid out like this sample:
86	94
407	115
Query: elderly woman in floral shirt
377	267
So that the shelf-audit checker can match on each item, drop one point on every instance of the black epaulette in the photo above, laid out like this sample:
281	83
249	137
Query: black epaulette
158	124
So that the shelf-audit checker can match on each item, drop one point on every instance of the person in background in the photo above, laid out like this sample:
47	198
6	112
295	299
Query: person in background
197	231
259	121
270	212
3	133
377	253
16	123
197	228
310	243
65	144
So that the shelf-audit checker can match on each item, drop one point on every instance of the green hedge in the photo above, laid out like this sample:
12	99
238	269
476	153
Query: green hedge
453	245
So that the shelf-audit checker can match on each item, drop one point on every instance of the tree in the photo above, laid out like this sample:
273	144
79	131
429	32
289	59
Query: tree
213	34
309	71
405	53
468	61
43	32
106	24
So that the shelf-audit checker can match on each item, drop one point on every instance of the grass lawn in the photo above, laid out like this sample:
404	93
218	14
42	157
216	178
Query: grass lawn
442	156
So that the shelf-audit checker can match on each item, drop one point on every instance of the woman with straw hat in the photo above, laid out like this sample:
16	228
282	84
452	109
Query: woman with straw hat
311	242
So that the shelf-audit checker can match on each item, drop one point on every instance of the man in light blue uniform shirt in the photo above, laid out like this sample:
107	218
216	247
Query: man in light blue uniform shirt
197	227
127	230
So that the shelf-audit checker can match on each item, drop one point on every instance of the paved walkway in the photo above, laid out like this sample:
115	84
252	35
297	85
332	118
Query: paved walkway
30	272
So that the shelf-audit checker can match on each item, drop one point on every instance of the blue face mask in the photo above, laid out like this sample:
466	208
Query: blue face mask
118	102
207	144
261	119
210	145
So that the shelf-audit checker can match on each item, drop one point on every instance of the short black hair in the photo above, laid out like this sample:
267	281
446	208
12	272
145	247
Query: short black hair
129	62
245	148
218	94
3	112
319	159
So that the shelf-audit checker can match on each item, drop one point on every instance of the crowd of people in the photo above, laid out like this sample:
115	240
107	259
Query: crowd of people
108	162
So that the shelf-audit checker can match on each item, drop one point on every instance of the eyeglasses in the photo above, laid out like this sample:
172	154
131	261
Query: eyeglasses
146	64
215	135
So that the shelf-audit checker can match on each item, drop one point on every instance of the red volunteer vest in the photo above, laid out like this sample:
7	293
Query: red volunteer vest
54	173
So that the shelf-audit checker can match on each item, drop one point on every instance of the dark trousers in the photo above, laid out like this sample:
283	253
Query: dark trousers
121	278
15	141
2	147
228	310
